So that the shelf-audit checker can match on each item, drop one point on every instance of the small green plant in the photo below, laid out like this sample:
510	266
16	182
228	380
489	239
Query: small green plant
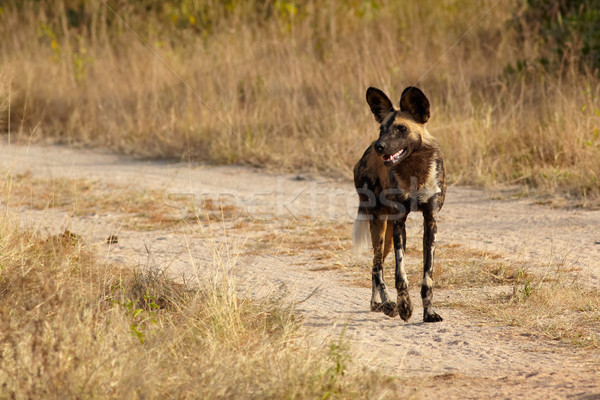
287	12
47	32
339	359
81	60
338	354
527	290
139	317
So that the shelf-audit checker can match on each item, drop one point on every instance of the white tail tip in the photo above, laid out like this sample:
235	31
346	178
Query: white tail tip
361	234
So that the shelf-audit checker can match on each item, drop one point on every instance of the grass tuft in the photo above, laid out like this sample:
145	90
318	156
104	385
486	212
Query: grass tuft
559	311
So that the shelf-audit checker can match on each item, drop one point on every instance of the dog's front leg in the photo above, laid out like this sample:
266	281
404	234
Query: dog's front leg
429	231
403	303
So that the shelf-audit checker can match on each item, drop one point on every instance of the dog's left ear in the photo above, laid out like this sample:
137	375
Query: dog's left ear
414	102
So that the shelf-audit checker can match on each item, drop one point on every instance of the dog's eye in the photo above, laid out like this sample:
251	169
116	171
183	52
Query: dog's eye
401	129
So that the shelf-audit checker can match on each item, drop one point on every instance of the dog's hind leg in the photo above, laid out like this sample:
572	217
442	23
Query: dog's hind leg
379	288
430	229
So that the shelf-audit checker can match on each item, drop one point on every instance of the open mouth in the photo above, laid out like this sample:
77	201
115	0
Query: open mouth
393	158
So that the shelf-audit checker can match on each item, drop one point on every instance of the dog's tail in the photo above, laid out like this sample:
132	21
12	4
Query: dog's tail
361	233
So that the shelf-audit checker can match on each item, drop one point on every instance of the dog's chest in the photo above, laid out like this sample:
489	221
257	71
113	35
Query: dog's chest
422	186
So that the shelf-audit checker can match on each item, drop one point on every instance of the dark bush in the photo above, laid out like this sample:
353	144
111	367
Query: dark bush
570	30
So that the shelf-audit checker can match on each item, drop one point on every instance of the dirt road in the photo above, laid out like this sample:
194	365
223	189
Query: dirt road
464	356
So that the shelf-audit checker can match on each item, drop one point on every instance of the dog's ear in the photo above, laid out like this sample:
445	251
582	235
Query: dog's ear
414	102
380	104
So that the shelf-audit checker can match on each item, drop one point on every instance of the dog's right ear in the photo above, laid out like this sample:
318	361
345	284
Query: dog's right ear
414	101
380	104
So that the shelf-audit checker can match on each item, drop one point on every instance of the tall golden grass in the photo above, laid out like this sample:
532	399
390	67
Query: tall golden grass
282	84
72	326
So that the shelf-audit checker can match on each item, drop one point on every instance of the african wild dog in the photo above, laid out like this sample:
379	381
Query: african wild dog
402	171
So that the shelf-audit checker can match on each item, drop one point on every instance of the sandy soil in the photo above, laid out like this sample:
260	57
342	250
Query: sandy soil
462	357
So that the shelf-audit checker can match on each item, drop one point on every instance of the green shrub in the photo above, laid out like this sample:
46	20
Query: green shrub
570	30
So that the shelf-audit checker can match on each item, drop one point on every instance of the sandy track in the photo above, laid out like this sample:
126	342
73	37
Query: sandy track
462	356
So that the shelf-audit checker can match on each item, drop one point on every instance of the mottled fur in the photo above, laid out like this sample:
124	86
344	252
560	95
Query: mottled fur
402	171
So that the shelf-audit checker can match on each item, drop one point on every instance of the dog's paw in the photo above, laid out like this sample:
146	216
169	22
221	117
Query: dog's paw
404	307
389	309
432	317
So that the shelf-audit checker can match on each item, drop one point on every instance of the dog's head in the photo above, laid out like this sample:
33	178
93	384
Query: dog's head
401	131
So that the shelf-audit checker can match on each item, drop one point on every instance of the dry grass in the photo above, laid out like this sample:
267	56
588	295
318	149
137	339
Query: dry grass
282	84
325	240
141	209
72	327
459	267
559	310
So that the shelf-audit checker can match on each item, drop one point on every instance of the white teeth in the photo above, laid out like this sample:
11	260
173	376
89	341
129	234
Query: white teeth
393	157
